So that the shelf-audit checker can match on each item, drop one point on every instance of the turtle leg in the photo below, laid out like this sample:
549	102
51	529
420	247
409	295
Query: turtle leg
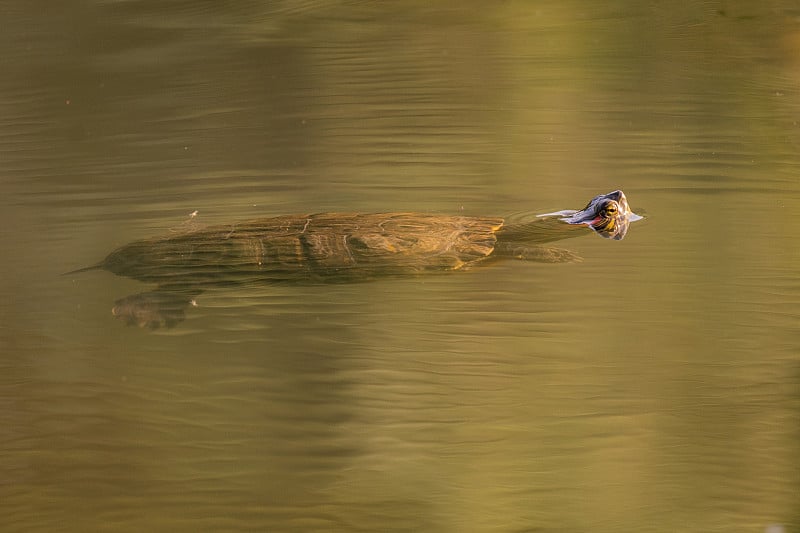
163	307
539	254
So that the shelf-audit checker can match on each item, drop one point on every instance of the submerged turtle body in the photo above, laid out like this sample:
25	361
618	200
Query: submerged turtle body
320	247
334	247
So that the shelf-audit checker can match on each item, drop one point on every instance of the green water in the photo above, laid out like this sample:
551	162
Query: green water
653	387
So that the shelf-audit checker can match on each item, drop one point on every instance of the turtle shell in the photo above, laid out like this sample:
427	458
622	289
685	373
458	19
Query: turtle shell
322	247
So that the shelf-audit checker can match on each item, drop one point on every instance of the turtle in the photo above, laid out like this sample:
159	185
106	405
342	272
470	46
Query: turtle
339	247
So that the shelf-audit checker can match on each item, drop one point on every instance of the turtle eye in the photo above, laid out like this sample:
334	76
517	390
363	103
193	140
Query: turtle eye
610	209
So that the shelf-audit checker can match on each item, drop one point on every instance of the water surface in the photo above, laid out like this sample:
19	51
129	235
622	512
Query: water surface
652	387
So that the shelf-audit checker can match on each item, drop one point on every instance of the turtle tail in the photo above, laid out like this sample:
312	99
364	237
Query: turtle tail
98	266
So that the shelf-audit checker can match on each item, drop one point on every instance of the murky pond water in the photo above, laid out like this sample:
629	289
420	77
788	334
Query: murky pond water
655	386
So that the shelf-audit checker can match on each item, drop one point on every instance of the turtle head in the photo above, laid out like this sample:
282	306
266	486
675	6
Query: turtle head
607	214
